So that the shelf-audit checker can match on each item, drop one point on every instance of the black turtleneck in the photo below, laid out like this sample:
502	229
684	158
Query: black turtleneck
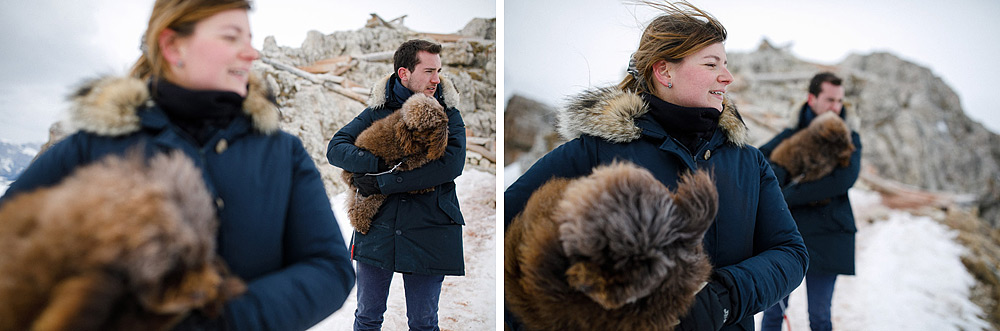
690	126
199	113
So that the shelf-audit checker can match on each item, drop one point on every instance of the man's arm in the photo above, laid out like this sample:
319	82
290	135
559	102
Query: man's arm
342	153
835	184
436	172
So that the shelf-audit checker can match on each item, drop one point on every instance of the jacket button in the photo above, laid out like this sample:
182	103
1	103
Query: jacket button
399	179
221	146
399	232
361	153
219	203
708	154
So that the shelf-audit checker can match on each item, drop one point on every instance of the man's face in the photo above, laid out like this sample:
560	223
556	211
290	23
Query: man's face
424	77
830	98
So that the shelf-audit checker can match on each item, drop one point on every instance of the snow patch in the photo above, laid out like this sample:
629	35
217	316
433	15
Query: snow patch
468	302
909	276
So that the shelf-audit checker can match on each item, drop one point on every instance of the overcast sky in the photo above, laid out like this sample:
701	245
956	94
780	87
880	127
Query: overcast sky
49	46
552	51
549	48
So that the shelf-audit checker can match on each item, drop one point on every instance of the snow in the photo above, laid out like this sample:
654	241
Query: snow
468	302
29	151
909	276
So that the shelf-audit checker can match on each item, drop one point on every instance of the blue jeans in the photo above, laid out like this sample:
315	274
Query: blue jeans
422	294
819	289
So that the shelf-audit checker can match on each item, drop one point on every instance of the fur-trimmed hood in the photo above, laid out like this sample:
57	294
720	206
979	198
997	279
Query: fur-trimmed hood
798	120
109	106
379	92
611	114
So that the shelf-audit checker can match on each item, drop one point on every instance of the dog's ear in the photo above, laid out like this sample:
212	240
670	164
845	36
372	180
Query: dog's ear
438	142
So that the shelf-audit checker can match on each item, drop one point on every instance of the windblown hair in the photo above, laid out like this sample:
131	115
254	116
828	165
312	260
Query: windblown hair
117	245
813	152
415	134
615	250
682	30
180	16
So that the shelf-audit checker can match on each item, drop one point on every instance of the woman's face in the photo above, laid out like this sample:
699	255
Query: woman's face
699	80
217	56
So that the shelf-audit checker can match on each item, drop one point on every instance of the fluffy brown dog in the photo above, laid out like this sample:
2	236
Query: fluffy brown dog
117	245
814	152
615	250
415	134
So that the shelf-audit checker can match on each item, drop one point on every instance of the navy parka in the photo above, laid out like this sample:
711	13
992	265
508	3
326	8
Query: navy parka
277	230
753	238
415	233
822	208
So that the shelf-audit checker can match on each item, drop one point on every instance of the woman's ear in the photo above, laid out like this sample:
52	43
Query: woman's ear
661	72
169	47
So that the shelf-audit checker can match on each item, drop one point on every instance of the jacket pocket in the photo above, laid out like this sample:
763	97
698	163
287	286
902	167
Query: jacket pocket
448	202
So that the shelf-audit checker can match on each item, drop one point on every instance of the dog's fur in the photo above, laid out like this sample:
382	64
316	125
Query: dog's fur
117	245
415	134
615	250
815	151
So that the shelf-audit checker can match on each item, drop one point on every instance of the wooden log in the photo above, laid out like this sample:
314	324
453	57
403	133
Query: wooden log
442	38
489	155
897	195
328	65
377	56
329	81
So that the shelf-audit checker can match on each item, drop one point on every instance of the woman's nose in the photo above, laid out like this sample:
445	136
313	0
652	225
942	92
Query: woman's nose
250	53
726	77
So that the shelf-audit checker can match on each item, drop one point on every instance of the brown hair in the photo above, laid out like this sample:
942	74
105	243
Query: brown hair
406	54
180	16
815	85
682	30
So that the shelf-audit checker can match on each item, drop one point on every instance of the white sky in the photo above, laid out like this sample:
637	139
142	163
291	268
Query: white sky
49	46
553	50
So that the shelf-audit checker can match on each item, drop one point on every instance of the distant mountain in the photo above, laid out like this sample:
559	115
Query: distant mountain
14	158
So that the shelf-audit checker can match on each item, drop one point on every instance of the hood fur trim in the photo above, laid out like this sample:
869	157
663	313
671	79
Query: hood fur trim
376	99
108	106
792	119
610	113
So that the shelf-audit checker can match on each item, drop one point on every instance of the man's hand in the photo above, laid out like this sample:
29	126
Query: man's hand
382	165
367	185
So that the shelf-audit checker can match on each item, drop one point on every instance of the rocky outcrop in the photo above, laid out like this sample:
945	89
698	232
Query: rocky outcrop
529	131
911	123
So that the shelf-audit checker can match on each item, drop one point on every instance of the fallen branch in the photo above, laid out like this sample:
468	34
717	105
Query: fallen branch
901	196
489	155
329	81
376	57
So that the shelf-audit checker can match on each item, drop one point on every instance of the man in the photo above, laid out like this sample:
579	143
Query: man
821	209
418	235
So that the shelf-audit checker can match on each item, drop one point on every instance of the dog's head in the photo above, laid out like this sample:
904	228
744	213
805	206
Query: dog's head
833	132
425	124
624	235
173	266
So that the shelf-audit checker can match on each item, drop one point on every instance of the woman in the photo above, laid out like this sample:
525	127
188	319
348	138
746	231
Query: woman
669	115
191	91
